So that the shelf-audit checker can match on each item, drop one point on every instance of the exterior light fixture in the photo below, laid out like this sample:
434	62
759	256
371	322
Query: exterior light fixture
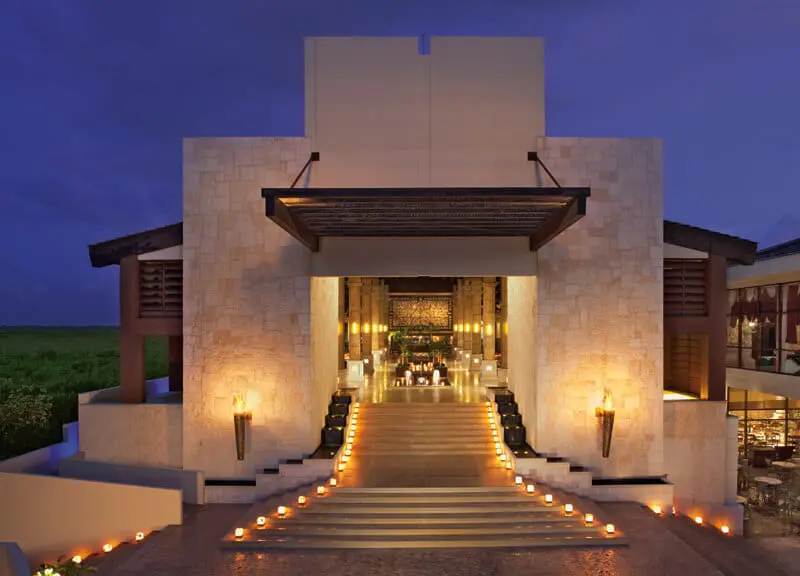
238	533
332	482
366	328
497	445
139	536
588	519
498	451
476	360
606	416
610	529
261	521
282	510
568	509
724	529
354	327
349	446
518	480
348	452
241	417
698	520
487	403
301	500
345	458
351	434
548	498
508	465
340	468
657	509
77	559
107	547
320	490
493	426
488	329
476	327
530	488
503	457
467	355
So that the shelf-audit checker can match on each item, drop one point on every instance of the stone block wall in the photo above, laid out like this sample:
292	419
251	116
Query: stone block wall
600	302
247	308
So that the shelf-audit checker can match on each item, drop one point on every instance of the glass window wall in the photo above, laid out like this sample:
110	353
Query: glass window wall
765	420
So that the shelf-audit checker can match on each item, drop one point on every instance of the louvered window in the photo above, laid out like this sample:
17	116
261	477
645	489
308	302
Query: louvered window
685	287
160	288
685	360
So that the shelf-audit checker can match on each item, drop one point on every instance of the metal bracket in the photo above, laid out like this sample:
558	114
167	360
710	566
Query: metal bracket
534	157
313	158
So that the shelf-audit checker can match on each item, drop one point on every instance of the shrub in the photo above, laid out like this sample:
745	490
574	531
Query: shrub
25	417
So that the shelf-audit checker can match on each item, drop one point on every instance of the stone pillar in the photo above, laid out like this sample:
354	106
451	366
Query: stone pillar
489	288
504	322
131	343
475	307
466	322
457	314
354	285
375	313
366	317
341	328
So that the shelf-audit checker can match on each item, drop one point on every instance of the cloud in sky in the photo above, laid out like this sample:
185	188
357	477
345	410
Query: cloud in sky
96	97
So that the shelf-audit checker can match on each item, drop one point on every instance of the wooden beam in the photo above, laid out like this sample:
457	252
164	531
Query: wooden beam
113	251
559	222
432	192
277	212
717	305
131	343
733	248
175	363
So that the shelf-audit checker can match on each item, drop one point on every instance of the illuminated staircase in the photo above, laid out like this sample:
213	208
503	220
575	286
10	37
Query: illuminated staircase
422	475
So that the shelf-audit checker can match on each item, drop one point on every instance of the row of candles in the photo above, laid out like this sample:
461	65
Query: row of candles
78	559
321	490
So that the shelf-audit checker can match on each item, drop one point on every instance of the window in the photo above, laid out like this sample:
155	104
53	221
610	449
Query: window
764	328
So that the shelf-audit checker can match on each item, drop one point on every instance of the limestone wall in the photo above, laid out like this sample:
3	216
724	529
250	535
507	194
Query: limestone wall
600	304
247	308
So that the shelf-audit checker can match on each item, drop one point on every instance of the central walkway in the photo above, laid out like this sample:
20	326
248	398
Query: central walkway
423	436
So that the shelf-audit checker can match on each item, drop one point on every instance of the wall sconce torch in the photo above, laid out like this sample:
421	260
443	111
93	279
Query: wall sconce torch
606	416
241	417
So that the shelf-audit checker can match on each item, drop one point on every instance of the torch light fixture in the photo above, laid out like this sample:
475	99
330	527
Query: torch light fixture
606	417
241	418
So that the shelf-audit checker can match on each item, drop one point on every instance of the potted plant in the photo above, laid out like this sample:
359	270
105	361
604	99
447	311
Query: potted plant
65	568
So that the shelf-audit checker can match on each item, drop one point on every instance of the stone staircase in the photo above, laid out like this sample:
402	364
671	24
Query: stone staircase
421	475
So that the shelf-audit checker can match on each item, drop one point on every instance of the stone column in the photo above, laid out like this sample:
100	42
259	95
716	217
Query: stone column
341	328
475	307
504	322
489	288
366	317
466	322
354	285
175	348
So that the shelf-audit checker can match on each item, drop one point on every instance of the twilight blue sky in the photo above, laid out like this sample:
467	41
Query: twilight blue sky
95	97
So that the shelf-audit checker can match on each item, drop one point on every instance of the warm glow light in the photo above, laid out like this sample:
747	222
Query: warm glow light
320	490
341	467
261	521
107	547
518	480
351	433
349	447
139	536
354	327
353	428
239	404
568	509
672	396
588	518
77	559
497	445
657	509
548	498
491	420
301	500
493	426
238	533
488	329
610	529
476	327
487	403
698	520
530	488
347	452
724	529
356	405
374	327
508	465
366	328
476	360
503	457
333	482
498	451
281	510
607	402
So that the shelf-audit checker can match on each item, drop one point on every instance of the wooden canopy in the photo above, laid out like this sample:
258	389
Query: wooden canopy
733	248
539	214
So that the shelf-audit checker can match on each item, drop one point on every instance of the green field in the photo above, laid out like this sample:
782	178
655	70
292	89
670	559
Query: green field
42	371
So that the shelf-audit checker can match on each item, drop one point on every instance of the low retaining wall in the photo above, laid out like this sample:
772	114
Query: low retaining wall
45	460
50	517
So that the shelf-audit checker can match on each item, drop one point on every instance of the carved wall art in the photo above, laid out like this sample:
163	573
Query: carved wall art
421	311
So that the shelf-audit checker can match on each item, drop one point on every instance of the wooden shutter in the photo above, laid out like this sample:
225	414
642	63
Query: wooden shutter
685	287
685	363
160	288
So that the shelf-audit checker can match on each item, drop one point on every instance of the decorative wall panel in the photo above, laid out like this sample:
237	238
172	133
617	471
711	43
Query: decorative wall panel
421	311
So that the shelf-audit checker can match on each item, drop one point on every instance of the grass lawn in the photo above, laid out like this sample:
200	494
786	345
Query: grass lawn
60	363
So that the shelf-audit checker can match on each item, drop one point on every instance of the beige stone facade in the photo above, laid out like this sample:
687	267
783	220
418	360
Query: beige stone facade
398	118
